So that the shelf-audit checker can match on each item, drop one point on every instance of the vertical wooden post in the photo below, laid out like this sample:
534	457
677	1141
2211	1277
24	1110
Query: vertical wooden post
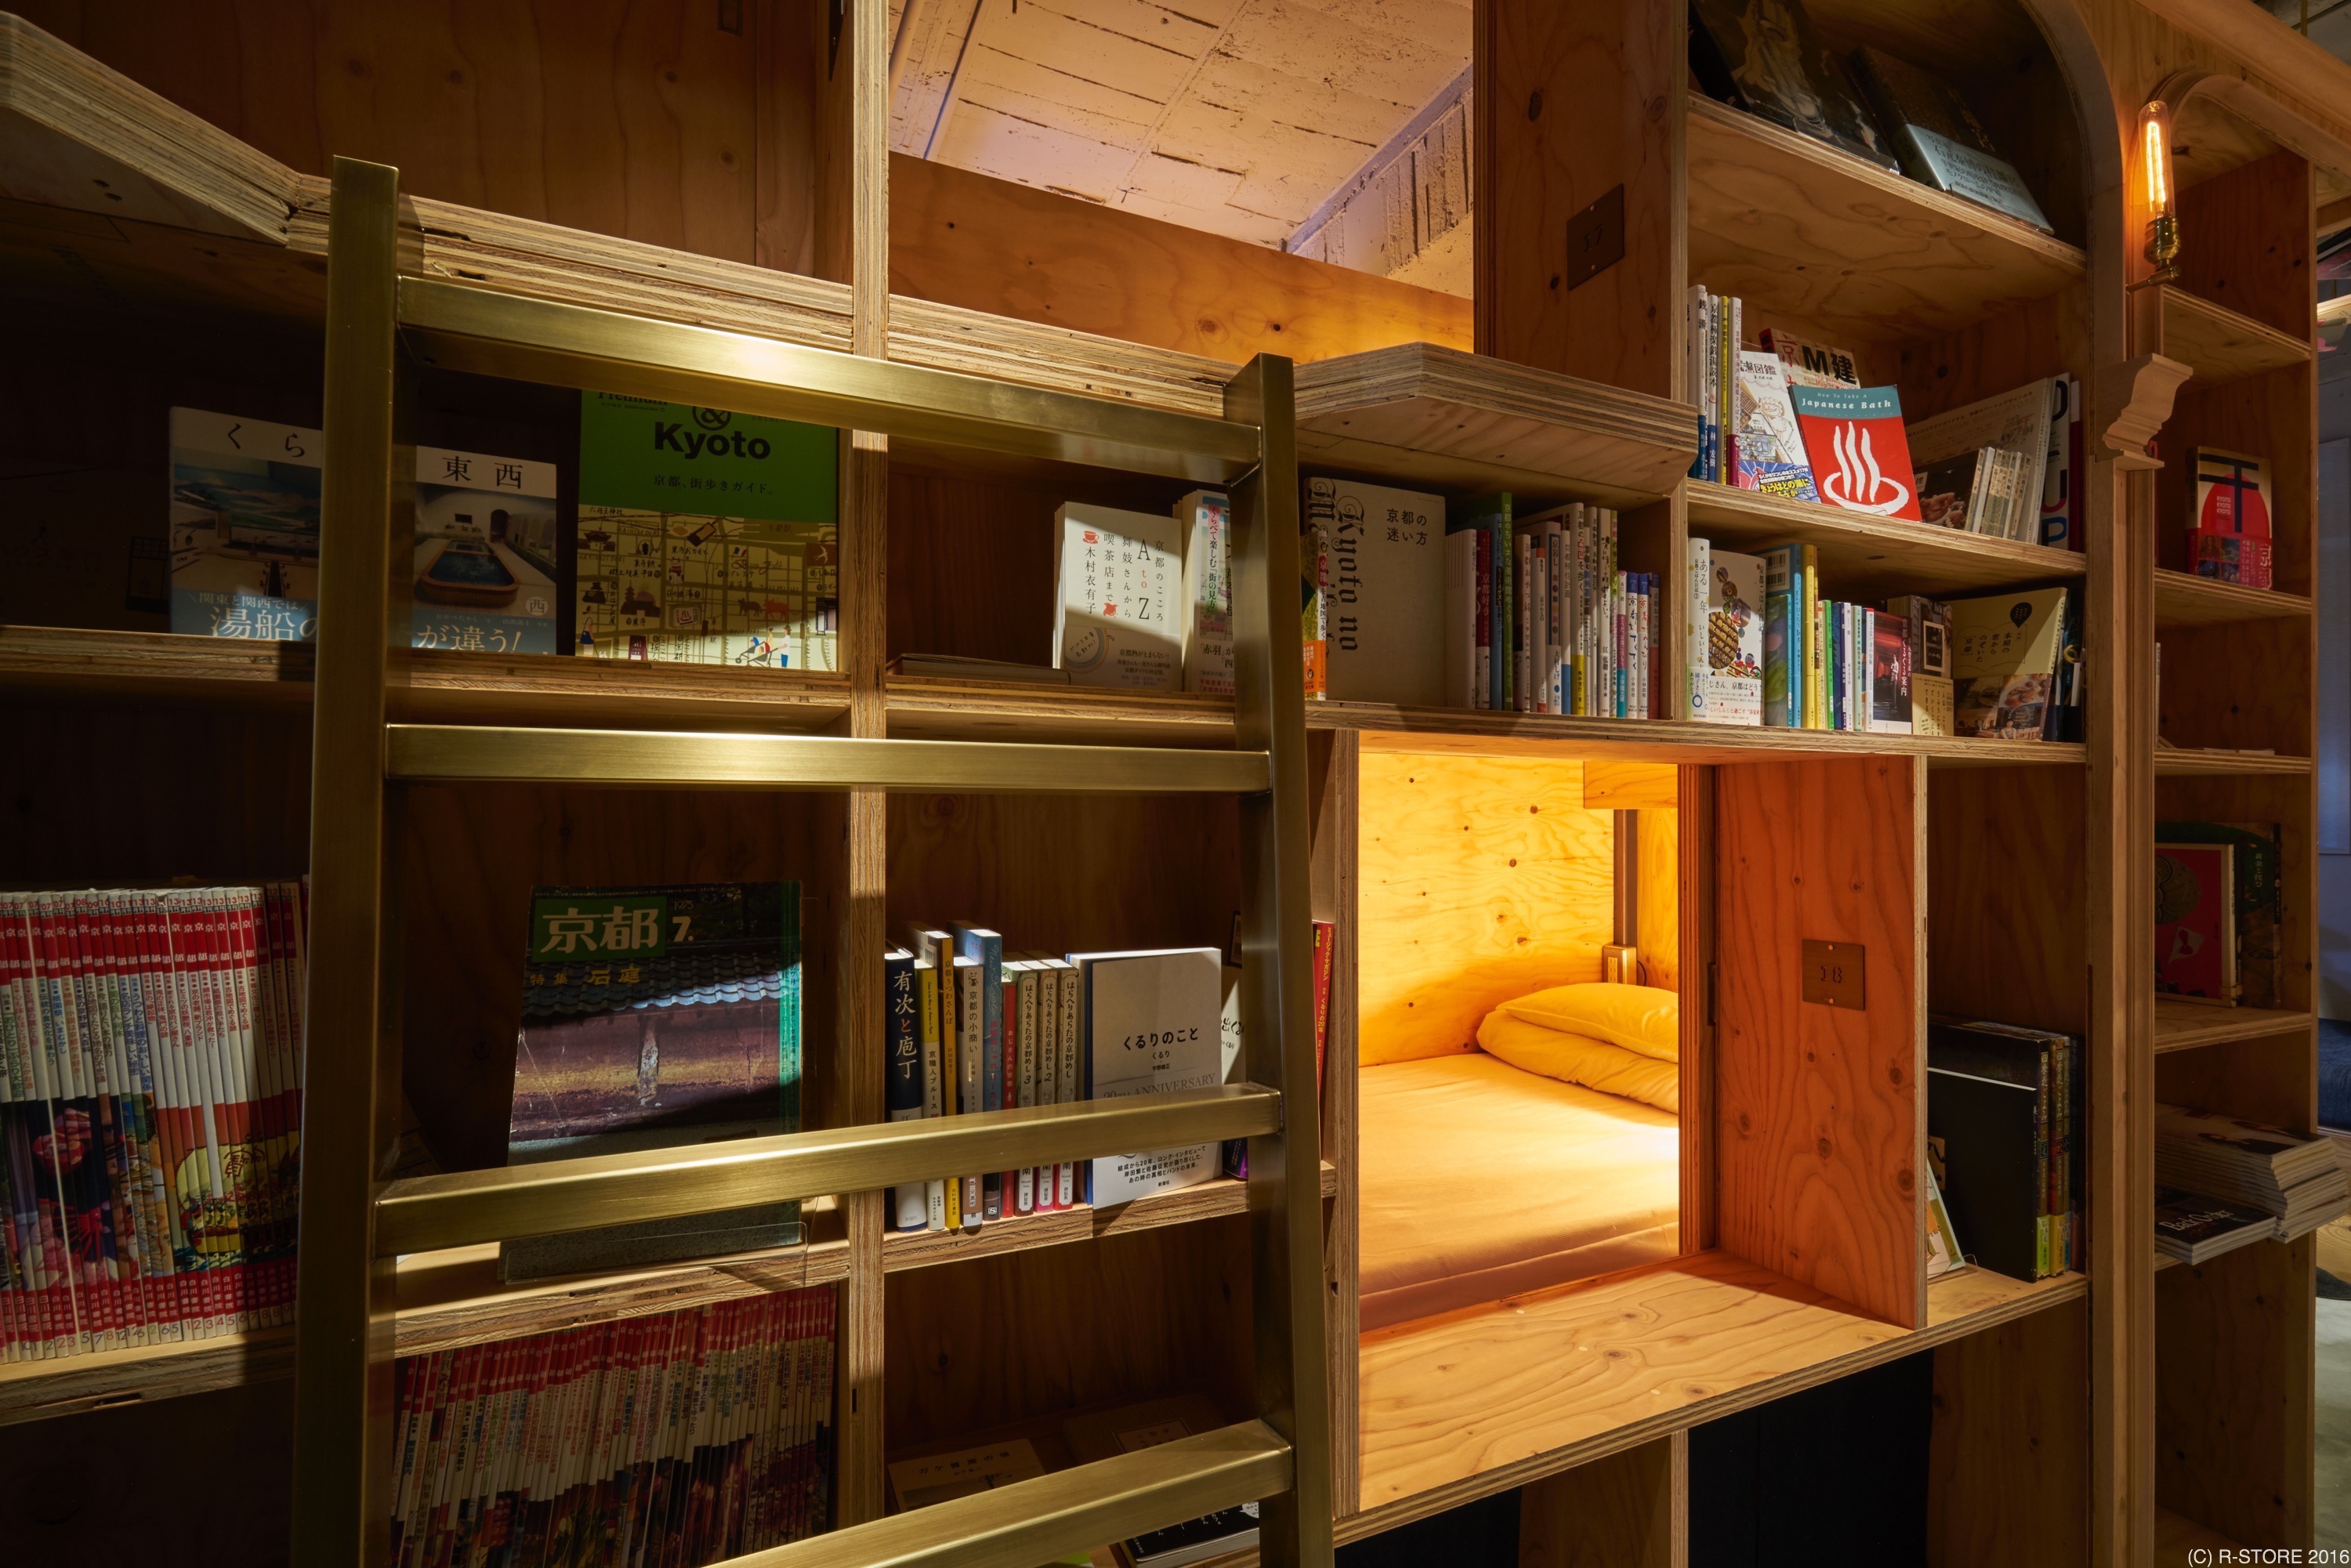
1576	98
859	92
344	1394
1335	863
1285	1186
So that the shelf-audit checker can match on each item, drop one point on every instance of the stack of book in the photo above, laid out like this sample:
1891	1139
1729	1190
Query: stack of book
2297	1182
2195	1229
2005	1108
1766	648
970	1026
151	1114
686	1438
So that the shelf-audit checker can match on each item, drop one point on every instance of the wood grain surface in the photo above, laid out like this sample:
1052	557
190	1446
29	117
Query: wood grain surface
1481	880
966	239
2234	1364
1819	1121
1630	1510
2008	1453
2008	903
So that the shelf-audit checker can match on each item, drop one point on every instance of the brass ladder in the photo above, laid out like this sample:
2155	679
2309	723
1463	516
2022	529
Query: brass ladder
381	318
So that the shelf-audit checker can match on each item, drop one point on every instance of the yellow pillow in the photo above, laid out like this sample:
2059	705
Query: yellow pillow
1639	1017
1579	1059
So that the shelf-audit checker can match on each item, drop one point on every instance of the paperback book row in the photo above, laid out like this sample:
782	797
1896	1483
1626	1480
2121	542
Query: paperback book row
2005	1146
1767	649
2219	911
1764	57
1092	1436
971	1027
150	1081
695	536
666	1441
2224	1183
1792	419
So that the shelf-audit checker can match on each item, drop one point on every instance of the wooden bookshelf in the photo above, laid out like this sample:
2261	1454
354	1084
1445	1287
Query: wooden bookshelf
1864	558
2198	762
1803	228
2184	1026
71	1385
2221	345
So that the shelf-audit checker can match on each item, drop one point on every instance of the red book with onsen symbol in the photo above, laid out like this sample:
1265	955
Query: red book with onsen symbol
1860	453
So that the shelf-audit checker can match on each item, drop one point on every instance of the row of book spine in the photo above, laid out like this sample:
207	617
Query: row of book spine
989	1034
666	1441
151	1059
1542	617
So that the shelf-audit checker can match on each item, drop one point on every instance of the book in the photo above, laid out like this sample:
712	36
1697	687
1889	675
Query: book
2196	922
1734	639
1696	607
1770	455
1206	518
1386	589
1763	57
1150	1025
2258	877
684	1437
2005	649
2229	534
1465	648
706	538
655	1017
1860	456
487	553
963	1472
1930	633
2298	1181
1943	1254
1888	649
2004	1103
984	949
1937	137
1783	640
1931	710
1104	1435
1952	490
1117	577
245	527
1806	363
901	1045
2195	1229
2063	468
1490	515
2001	493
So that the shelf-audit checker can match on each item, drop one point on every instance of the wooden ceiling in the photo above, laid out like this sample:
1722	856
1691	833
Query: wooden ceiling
1239	117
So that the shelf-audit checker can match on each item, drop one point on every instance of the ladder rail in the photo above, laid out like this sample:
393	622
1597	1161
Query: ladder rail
354	1223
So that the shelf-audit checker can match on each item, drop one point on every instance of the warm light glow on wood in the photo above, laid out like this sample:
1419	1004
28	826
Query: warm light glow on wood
2155	142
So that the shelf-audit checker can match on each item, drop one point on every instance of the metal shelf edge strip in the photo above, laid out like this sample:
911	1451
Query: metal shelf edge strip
462	1209
466	328
1044	1520
661	759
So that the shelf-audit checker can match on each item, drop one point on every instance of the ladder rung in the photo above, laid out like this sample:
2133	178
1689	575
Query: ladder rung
670	760
1029	1522
460	1208
494	333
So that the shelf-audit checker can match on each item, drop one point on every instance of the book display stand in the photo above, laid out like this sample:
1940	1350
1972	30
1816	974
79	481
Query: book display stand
2120	1413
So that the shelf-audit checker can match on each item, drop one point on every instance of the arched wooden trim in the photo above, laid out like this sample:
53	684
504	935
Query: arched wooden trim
2271	117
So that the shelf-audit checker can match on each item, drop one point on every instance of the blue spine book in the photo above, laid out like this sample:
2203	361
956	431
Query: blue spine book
903	1089
986	948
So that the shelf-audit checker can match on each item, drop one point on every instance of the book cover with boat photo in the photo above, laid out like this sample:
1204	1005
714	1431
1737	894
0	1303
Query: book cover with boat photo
245	527
486	553
656	1017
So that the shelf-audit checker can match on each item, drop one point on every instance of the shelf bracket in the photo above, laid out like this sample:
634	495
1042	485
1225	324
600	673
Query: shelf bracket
2133	401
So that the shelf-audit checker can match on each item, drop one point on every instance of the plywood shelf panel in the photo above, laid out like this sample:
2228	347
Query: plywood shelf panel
454	1297
922	709
1791	225
1864	557
2184	1026
1479	1401
2182	600
2175	1537
442	687
1422	415
2222	345
2197	762
1387	727
37	1390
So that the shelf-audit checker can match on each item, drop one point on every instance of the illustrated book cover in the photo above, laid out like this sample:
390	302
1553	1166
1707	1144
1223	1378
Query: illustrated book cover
2004	653
656	1017
1734	640
1769	451
1763	56
1206	520
1860	456
486	553
2229	537
705	537
2196	922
